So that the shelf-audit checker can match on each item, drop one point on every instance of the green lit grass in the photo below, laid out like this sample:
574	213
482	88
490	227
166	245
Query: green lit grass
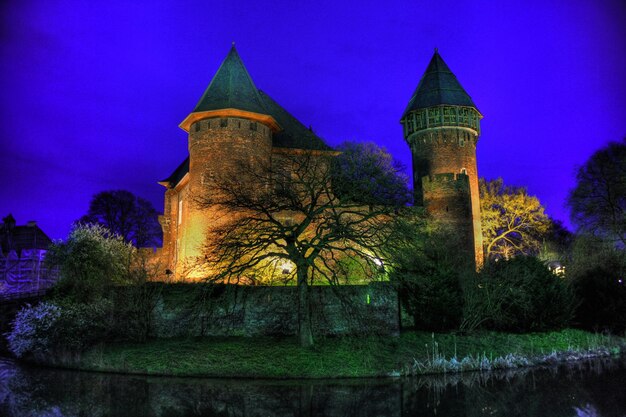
267	357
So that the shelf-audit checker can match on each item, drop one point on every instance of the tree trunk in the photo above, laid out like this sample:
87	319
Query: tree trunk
305	331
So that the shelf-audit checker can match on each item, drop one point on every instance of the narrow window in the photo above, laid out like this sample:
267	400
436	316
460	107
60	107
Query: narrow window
223	122
180	209
253	126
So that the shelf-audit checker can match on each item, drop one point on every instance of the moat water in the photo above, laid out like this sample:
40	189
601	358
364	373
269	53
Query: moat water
595	388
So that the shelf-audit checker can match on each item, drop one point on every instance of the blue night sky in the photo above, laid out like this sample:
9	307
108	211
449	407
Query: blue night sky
93	92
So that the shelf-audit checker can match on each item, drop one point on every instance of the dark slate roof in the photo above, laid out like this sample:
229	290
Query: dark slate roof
231	88
438	86
293	134
178	173
18	238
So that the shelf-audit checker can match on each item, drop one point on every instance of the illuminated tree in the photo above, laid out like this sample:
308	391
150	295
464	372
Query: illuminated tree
513	222
598	203
131	217
285	217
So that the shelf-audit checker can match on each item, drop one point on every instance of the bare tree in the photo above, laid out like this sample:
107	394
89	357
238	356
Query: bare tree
283	217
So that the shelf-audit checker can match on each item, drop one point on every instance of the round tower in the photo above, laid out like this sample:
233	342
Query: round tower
441	125
229	128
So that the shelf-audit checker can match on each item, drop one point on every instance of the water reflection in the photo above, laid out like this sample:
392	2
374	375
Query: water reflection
594	388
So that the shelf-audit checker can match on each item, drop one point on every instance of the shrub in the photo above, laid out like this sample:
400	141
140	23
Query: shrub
517	295
134	308
83	325
432	297
598	276
601	292
426	273
47	329
32	330
90	262
602	300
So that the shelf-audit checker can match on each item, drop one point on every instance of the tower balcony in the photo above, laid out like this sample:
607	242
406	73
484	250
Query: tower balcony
442	116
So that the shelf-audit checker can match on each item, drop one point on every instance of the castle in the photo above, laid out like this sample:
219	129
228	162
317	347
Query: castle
234	118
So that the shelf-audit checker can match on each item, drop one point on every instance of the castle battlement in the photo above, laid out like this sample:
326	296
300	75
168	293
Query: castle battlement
230	123
451	180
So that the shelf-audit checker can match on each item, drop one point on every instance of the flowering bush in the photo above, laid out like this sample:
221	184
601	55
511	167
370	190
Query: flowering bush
70	327
90	262
33	329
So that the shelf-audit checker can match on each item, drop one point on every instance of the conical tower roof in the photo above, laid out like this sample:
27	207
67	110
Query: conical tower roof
438	86
231	88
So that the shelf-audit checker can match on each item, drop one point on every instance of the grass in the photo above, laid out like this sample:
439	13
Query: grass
412	352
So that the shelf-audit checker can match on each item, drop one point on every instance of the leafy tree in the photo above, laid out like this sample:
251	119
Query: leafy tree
286	216
123	213
366	173
598	202
513	222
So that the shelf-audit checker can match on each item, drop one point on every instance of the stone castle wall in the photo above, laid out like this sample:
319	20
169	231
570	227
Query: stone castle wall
233	310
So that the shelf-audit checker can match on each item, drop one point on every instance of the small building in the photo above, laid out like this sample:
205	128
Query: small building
22	253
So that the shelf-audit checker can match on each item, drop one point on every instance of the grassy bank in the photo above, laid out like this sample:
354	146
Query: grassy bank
411	353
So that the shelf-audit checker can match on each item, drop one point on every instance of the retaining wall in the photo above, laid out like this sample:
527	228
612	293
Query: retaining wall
273	311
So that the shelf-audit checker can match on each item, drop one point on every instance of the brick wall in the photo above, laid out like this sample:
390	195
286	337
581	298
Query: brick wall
448	150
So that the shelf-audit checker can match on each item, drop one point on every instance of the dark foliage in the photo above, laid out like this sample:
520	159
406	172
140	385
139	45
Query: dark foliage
365	173
517	295
132	310
125	214
598	276
426	273
82	325
598	203
602	295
